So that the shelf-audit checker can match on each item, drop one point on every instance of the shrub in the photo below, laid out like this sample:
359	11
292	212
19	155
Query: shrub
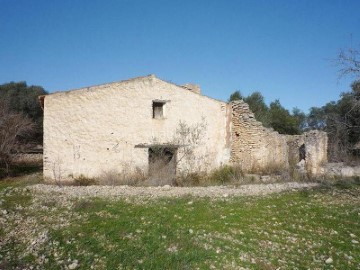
190	179
225	174
84	181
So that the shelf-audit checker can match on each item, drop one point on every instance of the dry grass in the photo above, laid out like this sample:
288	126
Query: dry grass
84	181
116	178
271	168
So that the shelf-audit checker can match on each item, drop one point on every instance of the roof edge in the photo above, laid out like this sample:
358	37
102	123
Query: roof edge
150	76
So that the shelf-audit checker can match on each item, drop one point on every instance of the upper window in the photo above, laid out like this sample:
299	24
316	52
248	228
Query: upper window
158	109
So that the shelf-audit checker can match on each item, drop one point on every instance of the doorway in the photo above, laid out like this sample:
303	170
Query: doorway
162	162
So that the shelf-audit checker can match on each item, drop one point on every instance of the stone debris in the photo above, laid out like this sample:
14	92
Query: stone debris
155	192
329	260
74	265
341	169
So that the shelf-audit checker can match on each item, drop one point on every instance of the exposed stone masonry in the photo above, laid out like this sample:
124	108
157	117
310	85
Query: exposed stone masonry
255	147
259	149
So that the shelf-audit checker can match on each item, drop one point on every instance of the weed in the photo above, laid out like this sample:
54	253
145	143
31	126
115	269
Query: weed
269	169
84	181
115	178
84	205
225	174
356	180
190	180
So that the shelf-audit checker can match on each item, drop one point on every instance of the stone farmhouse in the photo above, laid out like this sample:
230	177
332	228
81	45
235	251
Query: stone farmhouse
150	125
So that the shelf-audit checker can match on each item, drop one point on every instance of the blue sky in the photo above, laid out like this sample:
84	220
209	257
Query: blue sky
281	48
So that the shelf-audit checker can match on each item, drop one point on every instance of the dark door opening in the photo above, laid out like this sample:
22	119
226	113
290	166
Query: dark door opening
162	162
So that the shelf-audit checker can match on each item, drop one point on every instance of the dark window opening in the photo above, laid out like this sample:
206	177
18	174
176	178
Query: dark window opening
302	152
158	110
162	162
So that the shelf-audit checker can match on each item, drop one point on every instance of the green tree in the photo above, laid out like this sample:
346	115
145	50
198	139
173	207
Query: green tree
235	96
300	118
21	98
276	116
341	120
257	105
281	120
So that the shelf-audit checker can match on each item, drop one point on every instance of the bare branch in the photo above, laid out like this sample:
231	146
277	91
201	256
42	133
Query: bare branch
348	62
13	126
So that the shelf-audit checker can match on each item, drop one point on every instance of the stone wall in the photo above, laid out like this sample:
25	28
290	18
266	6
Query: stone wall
259	149
110	127
316	143
96	129
313	145
254	147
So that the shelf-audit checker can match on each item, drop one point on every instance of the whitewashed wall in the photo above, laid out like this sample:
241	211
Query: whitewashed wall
93	130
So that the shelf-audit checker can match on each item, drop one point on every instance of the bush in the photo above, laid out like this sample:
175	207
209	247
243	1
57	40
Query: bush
190	180
225	174
84	181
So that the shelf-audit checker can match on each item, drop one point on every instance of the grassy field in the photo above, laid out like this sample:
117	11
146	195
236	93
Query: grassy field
312	229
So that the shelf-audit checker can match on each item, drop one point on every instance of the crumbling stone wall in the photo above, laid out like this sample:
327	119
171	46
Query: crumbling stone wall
254	147
259	149
295	142
316	151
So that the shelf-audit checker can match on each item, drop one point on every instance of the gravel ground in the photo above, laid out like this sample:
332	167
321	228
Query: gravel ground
168	191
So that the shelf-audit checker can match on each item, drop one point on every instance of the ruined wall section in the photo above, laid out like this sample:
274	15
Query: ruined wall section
295	142
254	147
314	145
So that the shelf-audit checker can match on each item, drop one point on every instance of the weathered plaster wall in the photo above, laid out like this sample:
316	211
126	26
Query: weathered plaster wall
95	129
315	143
254	147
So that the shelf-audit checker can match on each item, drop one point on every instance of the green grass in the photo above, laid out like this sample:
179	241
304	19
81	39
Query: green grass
288	230
21	181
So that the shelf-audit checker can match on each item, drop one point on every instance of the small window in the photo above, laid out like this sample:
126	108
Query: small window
158	109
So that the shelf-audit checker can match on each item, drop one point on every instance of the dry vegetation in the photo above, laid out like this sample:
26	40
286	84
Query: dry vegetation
309	229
